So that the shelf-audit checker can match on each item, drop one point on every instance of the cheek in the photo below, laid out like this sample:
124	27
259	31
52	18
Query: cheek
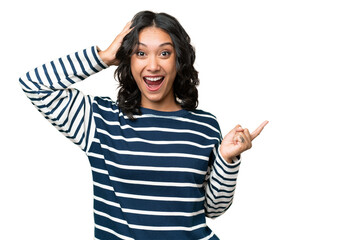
172	69
132	66
135	69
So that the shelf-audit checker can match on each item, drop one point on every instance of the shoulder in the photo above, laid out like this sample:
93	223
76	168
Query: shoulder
105	105
205	117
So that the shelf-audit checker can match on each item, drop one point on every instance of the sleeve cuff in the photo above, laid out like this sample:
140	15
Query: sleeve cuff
235	161
100	62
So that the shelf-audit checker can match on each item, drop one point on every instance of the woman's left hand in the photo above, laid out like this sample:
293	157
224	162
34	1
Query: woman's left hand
238	140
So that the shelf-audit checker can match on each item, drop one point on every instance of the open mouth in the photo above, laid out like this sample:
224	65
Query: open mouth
153	83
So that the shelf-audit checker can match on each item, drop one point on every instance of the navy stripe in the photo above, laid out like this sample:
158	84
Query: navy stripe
24	84
216	196
47	75
38	76
69	102
55	108
35	83
89	126
81	65
57	75
96	58
65	72
75	116
88	61
220	182
73	68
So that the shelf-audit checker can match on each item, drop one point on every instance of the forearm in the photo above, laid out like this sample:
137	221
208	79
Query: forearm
62	72
220	187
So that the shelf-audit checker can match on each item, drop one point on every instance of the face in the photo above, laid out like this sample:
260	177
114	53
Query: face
153	66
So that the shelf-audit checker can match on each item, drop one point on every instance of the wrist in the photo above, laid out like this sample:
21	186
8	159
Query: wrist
104	57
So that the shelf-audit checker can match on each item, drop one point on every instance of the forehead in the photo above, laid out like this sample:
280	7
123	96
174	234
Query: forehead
154	36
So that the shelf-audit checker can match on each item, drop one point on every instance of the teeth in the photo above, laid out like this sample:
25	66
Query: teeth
153	79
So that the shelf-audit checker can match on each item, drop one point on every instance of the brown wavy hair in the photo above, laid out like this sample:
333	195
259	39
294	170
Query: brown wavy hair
186	80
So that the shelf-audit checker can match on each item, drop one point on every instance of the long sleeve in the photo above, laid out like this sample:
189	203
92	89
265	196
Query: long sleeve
220	184
68	109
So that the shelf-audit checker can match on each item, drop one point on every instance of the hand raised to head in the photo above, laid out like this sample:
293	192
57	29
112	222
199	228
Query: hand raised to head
109	55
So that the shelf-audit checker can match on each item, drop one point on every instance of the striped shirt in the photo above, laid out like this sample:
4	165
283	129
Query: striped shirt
157	177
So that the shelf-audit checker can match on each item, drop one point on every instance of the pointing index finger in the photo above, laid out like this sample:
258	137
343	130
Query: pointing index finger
256	133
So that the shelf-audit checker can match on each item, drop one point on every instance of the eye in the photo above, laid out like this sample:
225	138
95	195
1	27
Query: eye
165	53
140	53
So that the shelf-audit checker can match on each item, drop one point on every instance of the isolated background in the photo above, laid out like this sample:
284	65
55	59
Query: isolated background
294	63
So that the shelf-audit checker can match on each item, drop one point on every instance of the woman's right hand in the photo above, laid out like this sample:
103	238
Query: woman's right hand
108	55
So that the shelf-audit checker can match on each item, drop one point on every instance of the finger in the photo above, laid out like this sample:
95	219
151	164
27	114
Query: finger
238	128
247	135
127	26
239	137
256	133
248	138
126	30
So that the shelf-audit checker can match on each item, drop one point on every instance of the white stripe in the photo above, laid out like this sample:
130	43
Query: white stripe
153	228
107	187
204	115
93	60
95	155
89	122
157	198
107	202
107	109
145	197
170	228
220	179
158	213
154	129
70	70
112	123
153	183
30	83
118	220
119	137
100	171
151	213
214	214
215	203
52	76
76	64
178	119
126	152
61	73
160	169
221	187
112	232
232	172
208	237
85	62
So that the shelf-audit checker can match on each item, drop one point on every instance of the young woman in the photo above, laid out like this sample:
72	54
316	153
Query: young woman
159	165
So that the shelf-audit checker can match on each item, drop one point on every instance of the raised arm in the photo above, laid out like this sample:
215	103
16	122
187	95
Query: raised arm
68	109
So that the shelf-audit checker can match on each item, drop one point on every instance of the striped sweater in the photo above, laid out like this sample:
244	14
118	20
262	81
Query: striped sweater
157	177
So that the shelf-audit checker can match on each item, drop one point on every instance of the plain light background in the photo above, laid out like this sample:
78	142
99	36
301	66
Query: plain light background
294	63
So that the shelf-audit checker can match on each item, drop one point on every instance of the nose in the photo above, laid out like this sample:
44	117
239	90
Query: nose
153	64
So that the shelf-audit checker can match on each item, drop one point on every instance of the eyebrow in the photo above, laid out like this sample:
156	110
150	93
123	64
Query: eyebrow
161	45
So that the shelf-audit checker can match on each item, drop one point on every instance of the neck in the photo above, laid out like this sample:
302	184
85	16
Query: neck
161	106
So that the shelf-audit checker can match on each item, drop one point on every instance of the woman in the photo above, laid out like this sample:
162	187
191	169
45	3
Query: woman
159	165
